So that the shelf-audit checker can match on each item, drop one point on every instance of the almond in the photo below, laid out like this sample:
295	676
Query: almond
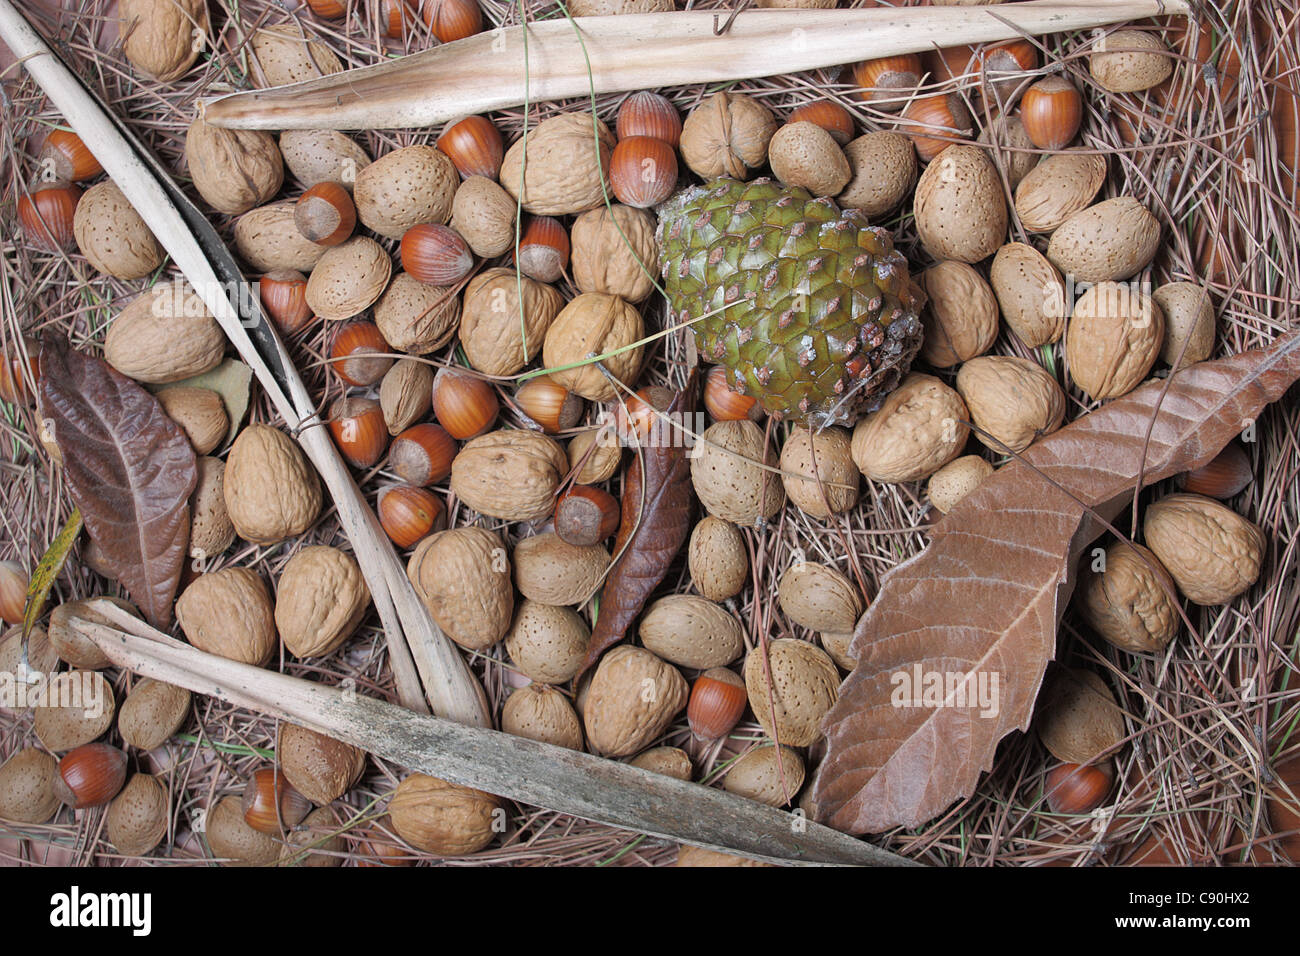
112	236
1030	292
768	774
1189	318
804	685
803	154
348	278
550	570
1057	188
1112	240
1129	61
547	642
285	55
818	472
415	317
405	188
1078	719
727	476
882	168
961	212
317	156
820	598
691	632
719	562
267	238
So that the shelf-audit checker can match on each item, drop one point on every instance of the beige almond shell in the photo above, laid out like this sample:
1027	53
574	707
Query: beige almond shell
955	480
442	818
961	316
1078	719
211	531
838	644
1212	552
727	135
614	251
1012	400
233	841
348	279
547	642
1030	293
717	559
233	169
500	337
321	768
1126	601
882	172
1015	151
550	570
41	660
803	154
510	473
160	37
769	774
1114	338
136	820
960	209
404	188
1113	240
819	597
567	168
229	613
669	761
727	474
1189	318
285	55
405	394
463	577
804	686
112	236
164	335
540	712
200	412
417	318
1129	61
632	699
152	712
1058	187
320	600
89	714
270	488
27	787
315	156
824	459
267	238
918	429
691	631
594	455
484	215
71	646
594	323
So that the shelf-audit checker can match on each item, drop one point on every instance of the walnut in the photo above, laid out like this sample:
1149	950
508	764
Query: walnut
320	600
271	491
919	428
540	712
229	613
498	335
1012	400
163	38
463	578
1113	339
1212	552
510	473
727	135
165	335
568	161
961	316
233	169
632	698
614	251
1128	601
595	324
443	818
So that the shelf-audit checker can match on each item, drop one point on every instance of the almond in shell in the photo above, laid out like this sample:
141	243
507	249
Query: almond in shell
804	685
1112	240
1057	188
961	212
1030	293
691	632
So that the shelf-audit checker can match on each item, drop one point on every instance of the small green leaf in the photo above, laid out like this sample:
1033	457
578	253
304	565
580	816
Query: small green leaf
231	380
51	563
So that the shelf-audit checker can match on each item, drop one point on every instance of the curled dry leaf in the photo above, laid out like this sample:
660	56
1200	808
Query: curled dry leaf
983	600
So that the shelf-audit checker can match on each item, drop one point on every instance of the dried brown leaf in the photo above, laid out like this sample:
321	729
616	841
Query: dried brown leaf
985	597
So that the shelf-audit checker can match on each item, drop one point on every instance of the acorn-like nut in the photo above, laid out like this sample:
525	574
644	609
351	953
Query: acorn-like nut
451	20
919	428
804	154
136	820
547	642
1004	66
359	354
769	774
499	334
321	768
13	592
692	632
1129	61
47	216
1013	150
409	186
1012	401
233	169
827	114
1052	111
90	714
348	278
804	686
718	701
422	455
1075	789
463	578
642	171
152	713
316	156
543	249
727	135
406	394
614	252
882	168
229	613
233	841
511	474
550	570
641	416
435	254
271	491
594	323
70	645
415	317
819	597
268	239
320	600
549	405
728	474
112	236
594	455
1030	294
1211	551
1128	600
443	818
27	787
726	404
632	699
90	776
717	559
887	81
960	209
358	429
961	316
1057	188
285	54
163	39
540	712
317	841
1113	340
325	214
818	472
1078	719
165	335
409	515
934	123
1224	476
955	480
283	294
649	114
586	515
270	804
474	145
464	404
484	215
200	412
669	761
568	161
1108	242
1189	323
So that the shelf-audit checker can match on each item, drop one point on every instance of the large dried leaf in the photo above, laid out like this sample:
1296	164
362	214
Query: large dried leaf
984	599
130	470
655	522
